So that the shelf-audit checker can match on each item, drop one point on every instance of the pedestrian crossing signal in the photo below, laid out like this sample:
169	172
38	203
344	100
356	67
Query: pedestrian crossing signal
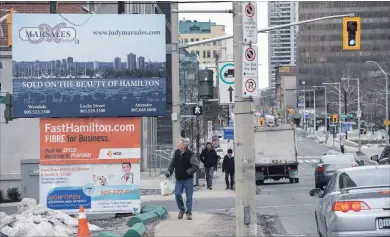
351	33
335	118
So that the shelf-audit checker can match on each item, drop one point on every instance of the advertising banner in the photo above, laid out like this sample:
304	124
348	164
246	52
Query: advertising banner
113	65
94	162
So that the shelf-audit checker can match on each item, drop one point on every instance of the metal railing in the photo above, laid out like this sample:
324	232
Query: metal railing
159	158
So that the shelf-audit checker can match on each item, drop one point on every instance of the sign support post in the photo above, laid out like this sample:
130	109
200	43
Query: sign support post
246	217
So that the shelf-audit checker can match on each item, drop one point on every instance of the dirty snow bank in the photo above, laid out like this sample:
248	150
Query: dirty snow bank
37	220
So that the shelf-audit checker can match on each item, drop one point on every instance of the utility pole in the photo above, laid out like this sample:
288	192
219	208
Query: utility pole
175	74
315	116
246	213
345	111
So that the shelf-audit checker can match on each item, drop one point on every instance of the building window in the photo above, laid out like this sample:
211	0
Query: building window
214	53
204	53
215	43
192	51
208	54
185	40
89	6
192	40
197	39
197	52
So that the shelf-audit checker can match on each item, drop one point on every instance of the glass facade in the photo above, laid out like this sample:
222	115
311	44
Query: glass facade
320	56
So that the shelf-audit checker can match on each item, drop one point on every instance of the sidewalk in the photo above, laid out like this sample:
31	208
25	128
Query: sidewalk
203	224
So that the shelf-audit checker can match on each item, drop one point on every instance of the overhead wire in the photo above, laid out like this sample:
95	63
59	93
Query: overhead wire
89	18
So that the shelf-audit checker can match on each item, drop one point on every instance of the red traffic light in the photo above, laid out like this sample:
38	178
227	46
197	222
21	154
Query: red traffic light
352	26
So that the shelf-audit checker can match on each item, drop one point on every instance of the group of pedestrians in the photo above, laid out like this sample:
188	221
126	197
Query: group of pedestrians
184	164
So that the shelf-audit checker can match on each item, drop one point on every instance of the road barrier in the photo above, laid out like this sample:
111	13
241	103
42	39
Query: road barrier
137	224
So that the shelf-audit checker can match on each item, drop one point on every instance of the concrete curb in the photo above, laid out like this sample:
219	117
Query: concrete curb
137	224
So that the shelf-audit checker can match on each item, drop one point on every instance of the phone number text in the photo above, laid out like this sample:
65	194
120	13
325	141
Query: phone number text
35	111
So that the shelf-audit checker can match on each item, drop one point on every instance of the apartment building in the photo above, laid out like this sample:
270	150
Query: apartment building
282	42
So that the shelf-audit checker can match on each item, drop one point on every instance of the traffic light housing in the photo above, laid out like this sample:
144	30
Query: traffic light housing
205	81
334	118
351	33
9	107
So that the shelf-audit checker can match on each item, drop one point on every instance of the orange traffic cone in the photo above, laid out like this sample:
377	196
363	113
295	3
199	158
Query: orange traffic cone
83	230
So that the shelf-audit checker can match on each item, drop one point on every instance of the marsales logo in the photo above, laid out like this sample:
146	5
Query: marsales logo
59	33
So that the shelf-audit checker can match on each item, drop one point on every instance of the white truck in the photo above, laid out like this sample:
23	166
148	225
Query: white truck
276	154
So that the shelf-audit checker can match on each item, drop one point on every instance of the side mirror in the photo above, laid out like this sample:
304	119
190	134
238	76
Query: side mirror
315	192
374	158
361	162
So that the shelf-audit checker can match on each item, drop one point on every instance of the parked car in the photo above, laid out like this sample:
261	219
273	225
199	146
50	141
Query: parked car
332	152
356	202
384	158
329	164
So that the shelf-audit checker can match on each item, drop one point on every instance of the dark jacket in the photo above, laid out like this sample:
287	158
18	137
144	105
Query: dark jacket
228	164
184	164
209	158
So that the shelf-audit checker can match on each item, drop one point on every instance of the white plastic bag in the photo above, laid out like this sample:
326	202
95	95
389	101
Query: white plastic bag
167	187
215	175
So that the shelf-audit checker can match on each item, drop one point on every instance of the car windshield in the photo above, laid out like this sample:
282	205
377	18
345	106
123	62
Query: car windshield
219	150
364	178
337	159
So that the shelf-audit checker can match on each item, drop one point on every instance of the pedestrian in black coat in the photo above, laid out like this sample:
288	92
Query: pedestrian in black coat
228	168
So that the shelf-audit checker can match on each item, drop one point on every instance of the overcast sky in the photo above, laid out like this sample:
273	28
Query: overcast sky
227	20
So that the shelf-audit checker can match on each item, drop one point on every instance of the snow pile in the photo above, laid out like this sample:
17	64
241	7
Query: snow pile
37	220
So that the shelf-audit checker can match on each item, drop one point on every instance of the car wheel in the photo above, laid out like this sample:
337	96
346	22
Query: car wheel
259	182
296	180
292	180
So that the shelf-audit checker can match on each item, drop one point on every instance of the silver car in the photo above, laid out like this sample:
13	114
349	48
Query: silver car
356	202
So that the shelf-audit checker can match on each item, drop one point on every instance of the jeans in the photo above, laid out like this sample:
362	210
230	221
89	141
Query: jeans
209	176
231	179
186	185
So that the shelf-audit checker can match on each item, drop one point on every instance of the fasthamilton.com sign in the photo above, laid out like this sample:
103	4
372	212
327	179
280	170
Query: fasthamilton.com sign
67	70
47	98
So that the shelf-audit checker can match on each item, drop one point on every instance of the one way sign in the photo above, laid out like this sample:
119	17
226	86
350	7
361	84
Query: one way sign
197	110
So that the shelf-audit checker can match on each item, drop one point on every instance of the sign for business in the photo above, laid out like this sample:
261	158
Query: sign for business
94	162
62	70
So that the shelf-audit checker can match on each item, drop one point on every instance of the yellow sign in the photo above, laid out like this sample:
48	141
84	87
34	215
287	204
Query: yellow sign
386	122
335	118
284	69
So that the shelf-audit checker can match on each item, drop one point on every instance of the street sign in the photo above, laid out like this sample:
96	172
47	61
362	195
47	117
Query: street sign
249	22
209	131
231	124
387	123
346	116
197	110
249	71
228	133
226	82
2	99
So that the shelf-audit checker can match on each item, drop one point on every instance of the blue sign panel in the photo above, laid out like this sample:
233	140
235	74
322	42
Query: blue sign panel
228	133
231	123
60	97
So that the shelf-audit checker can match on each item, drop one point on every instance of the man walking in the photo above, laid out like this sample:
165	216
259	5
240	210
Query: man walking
228	168
185	164
209	158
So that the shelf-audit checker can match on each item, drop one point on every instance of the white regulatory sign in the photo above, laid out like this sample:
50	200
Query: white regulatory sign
226	82
249	71
249	61
249	22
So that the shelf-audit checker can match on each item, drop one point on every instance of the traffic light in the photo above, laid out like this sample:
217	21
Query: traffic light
351	33
205	81
9	107
335	118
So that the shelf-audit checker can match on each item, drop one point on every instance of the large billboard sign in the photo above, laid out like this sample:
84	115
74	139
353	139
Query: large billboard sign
94	162
110	66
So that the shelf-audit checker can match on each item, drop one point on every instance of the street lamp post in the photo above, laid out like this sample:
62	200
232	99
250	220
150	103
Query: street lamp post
359	113
387	96
326	114
337	83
